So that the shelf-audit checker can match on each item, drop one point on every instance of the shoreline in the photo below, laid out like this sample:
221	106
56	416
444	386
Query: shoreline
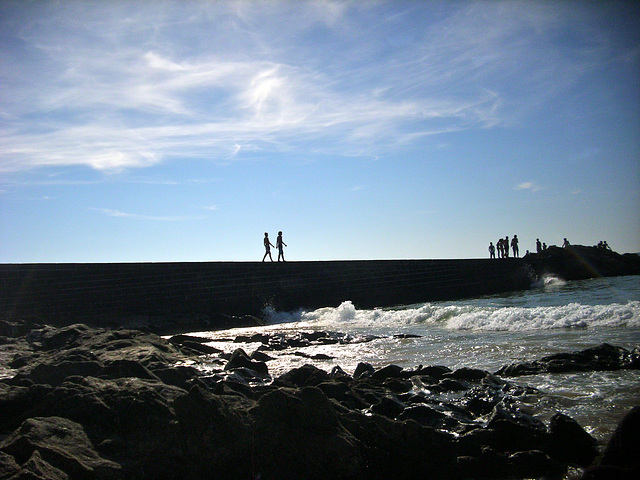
133	405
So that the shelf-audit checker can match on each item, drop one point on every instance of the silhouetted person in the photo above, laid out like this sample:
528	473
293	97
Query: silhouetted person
267	247
280	246
565	244
505	247
514	246
492	250
538	246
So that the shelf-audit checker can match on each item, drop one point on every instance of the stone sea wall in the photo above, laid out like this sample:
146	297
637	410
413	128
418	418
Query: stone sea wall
174	296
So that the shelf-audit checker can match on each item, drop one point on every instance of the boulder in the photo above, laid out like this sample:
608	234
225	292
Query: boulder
621	458
63	444
239	359
300	436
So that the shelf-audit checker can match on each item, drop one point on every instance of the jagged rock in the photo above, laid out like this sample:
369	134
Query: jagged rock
302	437
602	357
307	375
240	359
363	369
8	465
570	443
61	443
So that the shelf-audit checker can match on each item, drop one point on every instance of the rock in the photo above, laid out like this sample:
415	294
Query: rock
388	406
307	375
390	371
61	443
600	358
301	437
8	465
363	369
621	458
239	359
36	467
571	444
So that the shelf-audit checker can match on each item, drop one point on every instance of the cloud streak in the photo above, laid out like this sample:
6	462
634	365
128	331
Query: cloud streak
119	214
124	90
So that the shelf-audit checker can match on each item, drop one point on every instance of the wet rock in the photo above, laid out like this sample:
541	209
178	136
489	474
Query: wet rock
363	370
388	406
600	358
390	371
621	458
240	359
570	443
307	375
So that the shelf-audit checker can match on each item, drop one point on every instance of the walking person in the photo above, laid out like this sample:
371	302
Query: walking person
280	246
267	247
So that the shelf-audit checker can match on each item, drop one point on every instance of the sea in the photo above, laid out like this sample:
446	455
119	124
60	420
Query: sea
488	332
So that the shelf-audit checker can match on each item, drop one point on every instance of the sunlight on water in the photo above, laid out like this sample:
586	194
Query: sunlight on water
485	333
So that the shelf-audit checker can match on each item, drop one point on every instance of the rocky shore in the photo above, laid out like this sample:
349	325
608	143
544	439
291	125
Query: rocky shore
79	402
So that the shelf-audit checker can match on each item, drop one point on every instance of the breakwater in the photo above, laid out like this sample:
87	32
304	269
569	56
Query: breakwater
219	294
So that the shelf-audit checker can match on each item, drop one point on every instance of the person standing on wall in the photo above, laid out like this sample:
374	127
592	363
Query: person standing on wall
280	246
267	245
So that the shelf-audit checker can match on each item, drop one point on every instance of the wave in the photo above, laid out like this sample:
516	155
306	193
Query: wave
468	317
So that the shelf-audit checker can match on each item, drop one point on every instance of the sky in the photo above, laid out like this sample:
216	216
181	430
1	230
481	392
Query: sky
165	131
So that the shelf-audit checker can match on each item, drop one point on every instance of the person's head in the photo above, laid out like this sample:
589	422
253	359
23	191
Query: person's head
279	233
266	234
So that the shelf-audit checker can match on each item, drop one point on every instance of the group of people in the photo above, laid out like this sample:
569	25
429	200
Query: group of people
502	247
279	245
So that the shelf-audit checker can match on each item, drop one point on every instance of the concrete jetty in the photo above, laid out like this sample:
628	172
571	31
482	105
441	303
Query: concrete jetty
216	294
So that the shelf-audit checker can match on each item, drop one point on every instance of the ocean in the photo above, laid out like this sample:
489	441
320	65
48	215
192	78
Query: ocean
487	333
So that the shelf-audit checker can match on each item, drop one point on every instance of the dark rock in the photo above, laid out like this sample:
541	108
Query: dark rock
37	468
435	371
388	406
301	437
390	371
122	368
428	417
8	465
363	369
571	444
307	375
450	385
61	443
464	373
533	464
55	373
201	348
260	357
621	458
600	358
239	359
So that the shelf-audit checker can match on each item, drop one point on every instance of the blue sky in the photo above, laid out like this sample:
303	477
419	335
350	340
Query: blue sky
183	130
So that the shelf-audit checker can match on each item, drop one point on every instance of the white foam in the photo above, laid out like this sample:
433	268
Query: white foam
470	317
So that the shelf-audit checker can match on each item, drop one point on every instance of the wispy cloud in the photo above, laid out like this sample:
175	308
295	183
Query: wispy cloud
529	186
114	88
119	214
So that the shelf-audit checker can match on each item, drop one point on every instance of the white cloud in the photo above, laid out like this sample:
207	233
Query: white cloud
119	214
129	88
530	186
